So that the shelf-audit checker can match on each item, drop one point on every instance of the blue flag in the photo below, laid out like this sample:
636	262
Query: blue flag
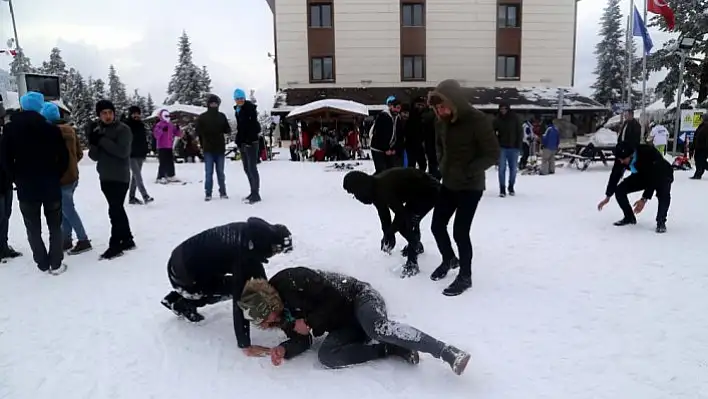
639	29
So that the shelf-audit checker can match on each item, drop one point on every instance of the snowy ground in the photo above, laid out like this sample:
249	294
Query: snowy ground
564	304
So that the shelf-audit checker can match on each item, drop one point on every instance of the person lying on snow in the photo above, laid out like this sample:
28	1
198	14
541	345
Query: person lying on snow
650	173
214	265
305	302
410	193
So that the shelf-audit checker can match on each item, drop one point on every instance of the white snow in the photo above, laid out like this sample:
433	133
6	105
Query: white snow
332	103
564	304
603	138
190	109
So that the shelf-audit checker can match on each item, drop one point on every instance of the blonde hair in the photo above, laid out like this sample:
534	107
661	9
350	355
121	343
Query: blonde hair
269	295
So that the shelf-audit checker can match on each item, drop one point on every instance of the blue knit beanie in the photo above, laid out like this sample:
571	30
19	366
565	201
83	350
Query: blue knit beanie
32	101
239	94
51	112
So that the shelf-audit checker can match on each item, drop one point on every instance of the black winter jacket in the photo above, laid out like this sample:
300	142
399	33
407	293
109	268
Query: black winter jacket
34	156
387	133
239	249
631	133
248	125
211	127
650	167
139	146
700	138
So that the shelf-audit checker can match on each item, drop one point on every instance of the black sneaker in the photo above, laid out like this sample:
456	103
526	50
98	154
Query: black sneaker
252	199
456	358
182	309
55	271
207	198
502	195
67	245
460	285
408	356
695	178
111	253
441	271
81	247
134	201
419	250
148	199
511	191
223	196
625	222
127	245
410	269
660	228
9	253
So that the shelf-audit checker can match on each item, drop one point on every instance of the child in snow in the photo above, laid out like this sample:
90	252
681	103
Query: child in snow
165	133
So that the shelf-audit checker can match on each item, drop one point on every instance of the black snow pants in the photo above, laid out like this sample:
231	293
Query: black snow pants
350	346
701	159
383	162
633	184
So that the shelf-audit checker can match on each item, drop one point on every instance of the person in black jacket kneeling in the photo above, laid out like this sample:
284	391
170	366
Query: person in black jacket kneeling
650	173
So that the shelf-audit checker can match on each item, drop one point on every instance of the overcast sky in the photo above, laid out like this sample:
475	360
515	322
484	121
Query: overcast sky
231	37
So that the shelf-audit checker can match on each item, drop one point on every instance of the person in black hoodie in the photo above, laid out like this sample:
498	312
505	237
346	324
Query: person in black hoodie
305	302
387	137
650	173
138	153
410	194
248	129
214	265
34	155
414	135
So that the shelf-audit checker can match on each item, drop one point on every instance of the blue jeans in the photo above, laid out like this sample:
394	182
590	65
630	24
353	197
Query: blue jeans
508	156
70	218
210	160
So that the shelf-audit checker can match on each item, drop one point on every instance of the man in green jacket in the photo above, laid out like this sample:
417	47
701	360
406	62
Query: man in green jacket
211	127
510	133
466	147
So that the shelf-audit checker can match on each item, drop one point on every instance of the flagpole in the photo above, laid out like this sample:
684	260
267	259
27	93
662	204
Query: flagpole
630	54
644	118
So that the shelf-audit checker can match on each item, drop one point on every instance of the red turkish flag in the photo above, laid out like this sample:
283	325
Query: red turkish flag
11	52
661	7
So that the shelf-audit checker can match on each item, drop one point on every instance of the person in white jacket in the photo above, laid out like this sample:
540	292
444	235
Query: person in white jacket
659	137
528	141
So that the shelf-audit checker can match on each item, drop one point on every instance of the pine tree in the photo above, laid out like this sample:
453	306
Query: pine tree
611	57
205	84
116	91
185	86
691	21
20	64
79	99
98	90
139	101
149	105
57	66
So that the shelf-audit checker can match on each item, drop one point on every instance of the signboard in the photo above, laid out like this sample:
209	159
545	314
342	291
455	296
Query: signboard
48	85
691	118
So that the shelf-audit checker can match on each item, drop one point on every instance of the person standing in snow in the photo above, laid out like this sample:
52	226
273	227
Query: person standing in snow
305	302
510	134
428	122
467	147
414	135
248	129
631	130
550	142
110	146
165	133
34	155
71	221
659	136
211	127
699	148
386	145
6	194
410	193
527	145
214	265
138	153
650	173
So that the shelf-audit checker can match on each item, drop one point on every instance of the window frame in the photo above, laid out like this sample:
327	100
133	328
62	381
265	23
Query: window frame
504	23
322	69
517	67
310	15
412	7
413	58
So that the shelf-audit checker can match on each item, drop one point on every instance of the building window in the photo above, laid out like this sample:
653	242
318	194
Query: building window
320	15
322	69
507	67
509	16
413	67
412	15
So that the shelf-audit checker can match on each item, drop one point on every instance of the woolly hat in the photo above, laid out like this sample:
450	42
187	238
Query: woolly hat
51	112
258	300
213	99
104	104
361	185
32	101
239	94
134	110
390	100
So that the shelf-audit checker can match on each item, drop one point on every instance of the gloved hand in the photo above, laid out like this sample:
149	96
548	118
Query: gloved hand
388	242
94	137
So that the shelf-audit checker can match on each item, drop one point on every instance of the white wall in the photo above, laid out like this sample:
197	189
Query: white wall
291	46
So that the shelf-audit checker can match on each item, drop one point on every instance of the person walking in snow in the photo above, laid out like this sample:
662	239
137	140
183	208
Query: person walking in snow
650	173
248	129
410	193
510	134
34	155
304	302
214	265
387	137
699	148
165	132
659	136
467	147
71	221
138	153
212	126
110	146
550	142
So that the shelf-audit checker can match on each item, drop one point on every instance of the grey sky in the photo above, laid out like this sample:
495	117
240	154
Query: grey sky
231	37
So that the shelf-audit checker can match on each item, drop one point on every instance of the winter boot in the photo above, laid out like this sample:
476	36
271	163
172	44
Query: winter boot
134	201
502	192
9	253
419	250
460	285
207	197
456	358
511	191
182	308
67	244
441	271
148	199
411	268
408	356
252	199
111	253
127	245
660	227
625	222
55	271
81	247
223	196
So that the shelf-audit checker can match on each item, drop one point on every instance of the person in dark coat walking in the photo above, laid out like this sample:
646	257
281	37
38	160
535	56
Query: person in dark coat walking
211	127
110	145
138	153
387	137
305	302
510	132
214	265
631	131
467	147
248	129
699	148
34	155
410	194
650	173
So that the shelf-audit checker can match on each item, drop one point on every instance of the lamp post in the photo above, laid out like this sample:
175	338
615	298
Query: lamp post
685	44
14	25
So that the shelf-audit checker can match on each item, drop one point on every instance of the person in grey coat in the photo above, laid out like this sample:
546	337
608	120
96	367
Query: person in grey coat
110	145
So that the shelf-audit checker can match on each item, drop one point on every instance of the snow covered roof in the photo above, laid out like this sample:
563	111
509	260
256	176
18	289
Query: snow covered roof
345	106
13	102
188	109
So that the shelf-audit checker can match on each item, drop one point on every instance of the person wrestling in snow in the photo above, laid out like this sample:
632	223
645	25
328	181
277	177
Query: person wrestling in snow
305	302
214	265
410	193
650	173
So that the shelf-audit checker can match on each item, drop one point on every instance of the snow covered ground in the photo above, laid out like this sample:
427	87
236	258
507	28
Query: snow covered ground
564	304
